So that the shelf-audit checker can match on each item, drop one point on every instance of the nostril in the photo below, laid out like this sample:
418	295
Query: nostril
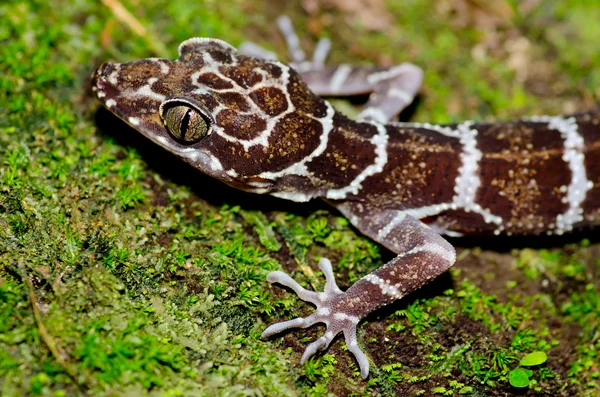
99	82
106	69
99	78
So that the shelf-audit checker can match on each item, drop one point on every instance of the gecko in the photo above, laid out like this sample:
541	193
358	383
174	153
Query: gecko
262	126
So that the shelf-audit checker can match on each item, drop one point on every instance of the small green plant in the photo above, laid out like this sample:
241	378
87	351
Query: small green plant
520	377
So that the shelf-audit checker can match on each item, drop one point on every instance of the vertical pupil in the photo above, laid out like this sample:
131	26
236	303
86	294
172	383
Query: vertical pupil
185	122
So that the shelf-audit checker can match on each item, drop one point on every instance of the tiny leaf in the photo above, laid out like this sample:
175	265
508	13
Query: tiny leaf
518	378
535	358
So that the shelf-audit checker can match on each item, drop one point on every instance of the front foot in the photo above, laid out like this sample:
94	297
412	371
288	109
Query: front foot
330	304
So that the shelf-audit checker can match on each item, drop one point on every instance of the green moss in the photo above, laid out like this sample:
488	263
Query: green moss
584	309
145	282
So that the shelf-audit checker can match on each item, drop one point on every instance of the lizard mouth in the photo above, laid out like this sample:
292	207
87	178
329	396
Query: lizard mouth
103	70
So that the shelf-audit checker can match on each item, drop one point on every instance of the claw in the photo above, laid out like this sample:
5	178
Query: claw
299	322
363	362
311	349
293	42
330	284
326	302
321	52
282	326
304	294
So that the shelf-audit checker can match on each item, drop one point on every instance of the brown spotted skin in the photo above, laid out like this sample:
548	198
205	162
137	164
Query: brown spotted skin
523	178
522	171
589	125
269	133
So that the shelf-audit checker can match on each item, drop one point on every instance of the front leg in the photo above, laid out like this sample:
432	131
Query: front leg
425	255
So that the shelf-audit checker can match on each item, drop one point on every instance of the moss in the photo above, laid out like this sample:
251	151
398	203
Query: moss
122	271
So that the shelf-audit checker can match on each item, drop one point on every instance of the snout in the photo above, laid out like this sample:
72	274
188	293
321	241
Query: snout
105	69
105	82
99	77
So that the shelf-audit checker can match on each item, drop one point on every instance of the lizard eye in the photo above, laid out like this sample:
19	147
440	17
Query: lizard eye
184	122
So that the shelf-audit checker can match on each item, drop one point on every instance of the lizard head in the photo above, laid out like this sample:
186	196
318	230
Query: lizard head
245	121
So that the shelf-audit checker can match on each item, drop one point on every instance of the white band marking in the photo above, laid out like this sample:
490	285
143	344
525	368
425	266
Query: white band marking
580	184
466	184
380	141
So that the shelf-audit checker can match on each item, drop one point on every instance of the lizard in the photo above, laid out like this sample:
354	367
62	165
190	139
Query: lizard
258	125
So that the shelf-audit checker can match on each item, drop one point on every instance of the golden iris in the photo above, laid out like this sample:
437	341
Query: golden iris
185	123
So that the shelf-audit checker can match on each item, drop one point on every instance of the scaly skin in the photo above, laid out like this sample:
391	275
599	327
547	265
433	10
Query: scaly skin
255	125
